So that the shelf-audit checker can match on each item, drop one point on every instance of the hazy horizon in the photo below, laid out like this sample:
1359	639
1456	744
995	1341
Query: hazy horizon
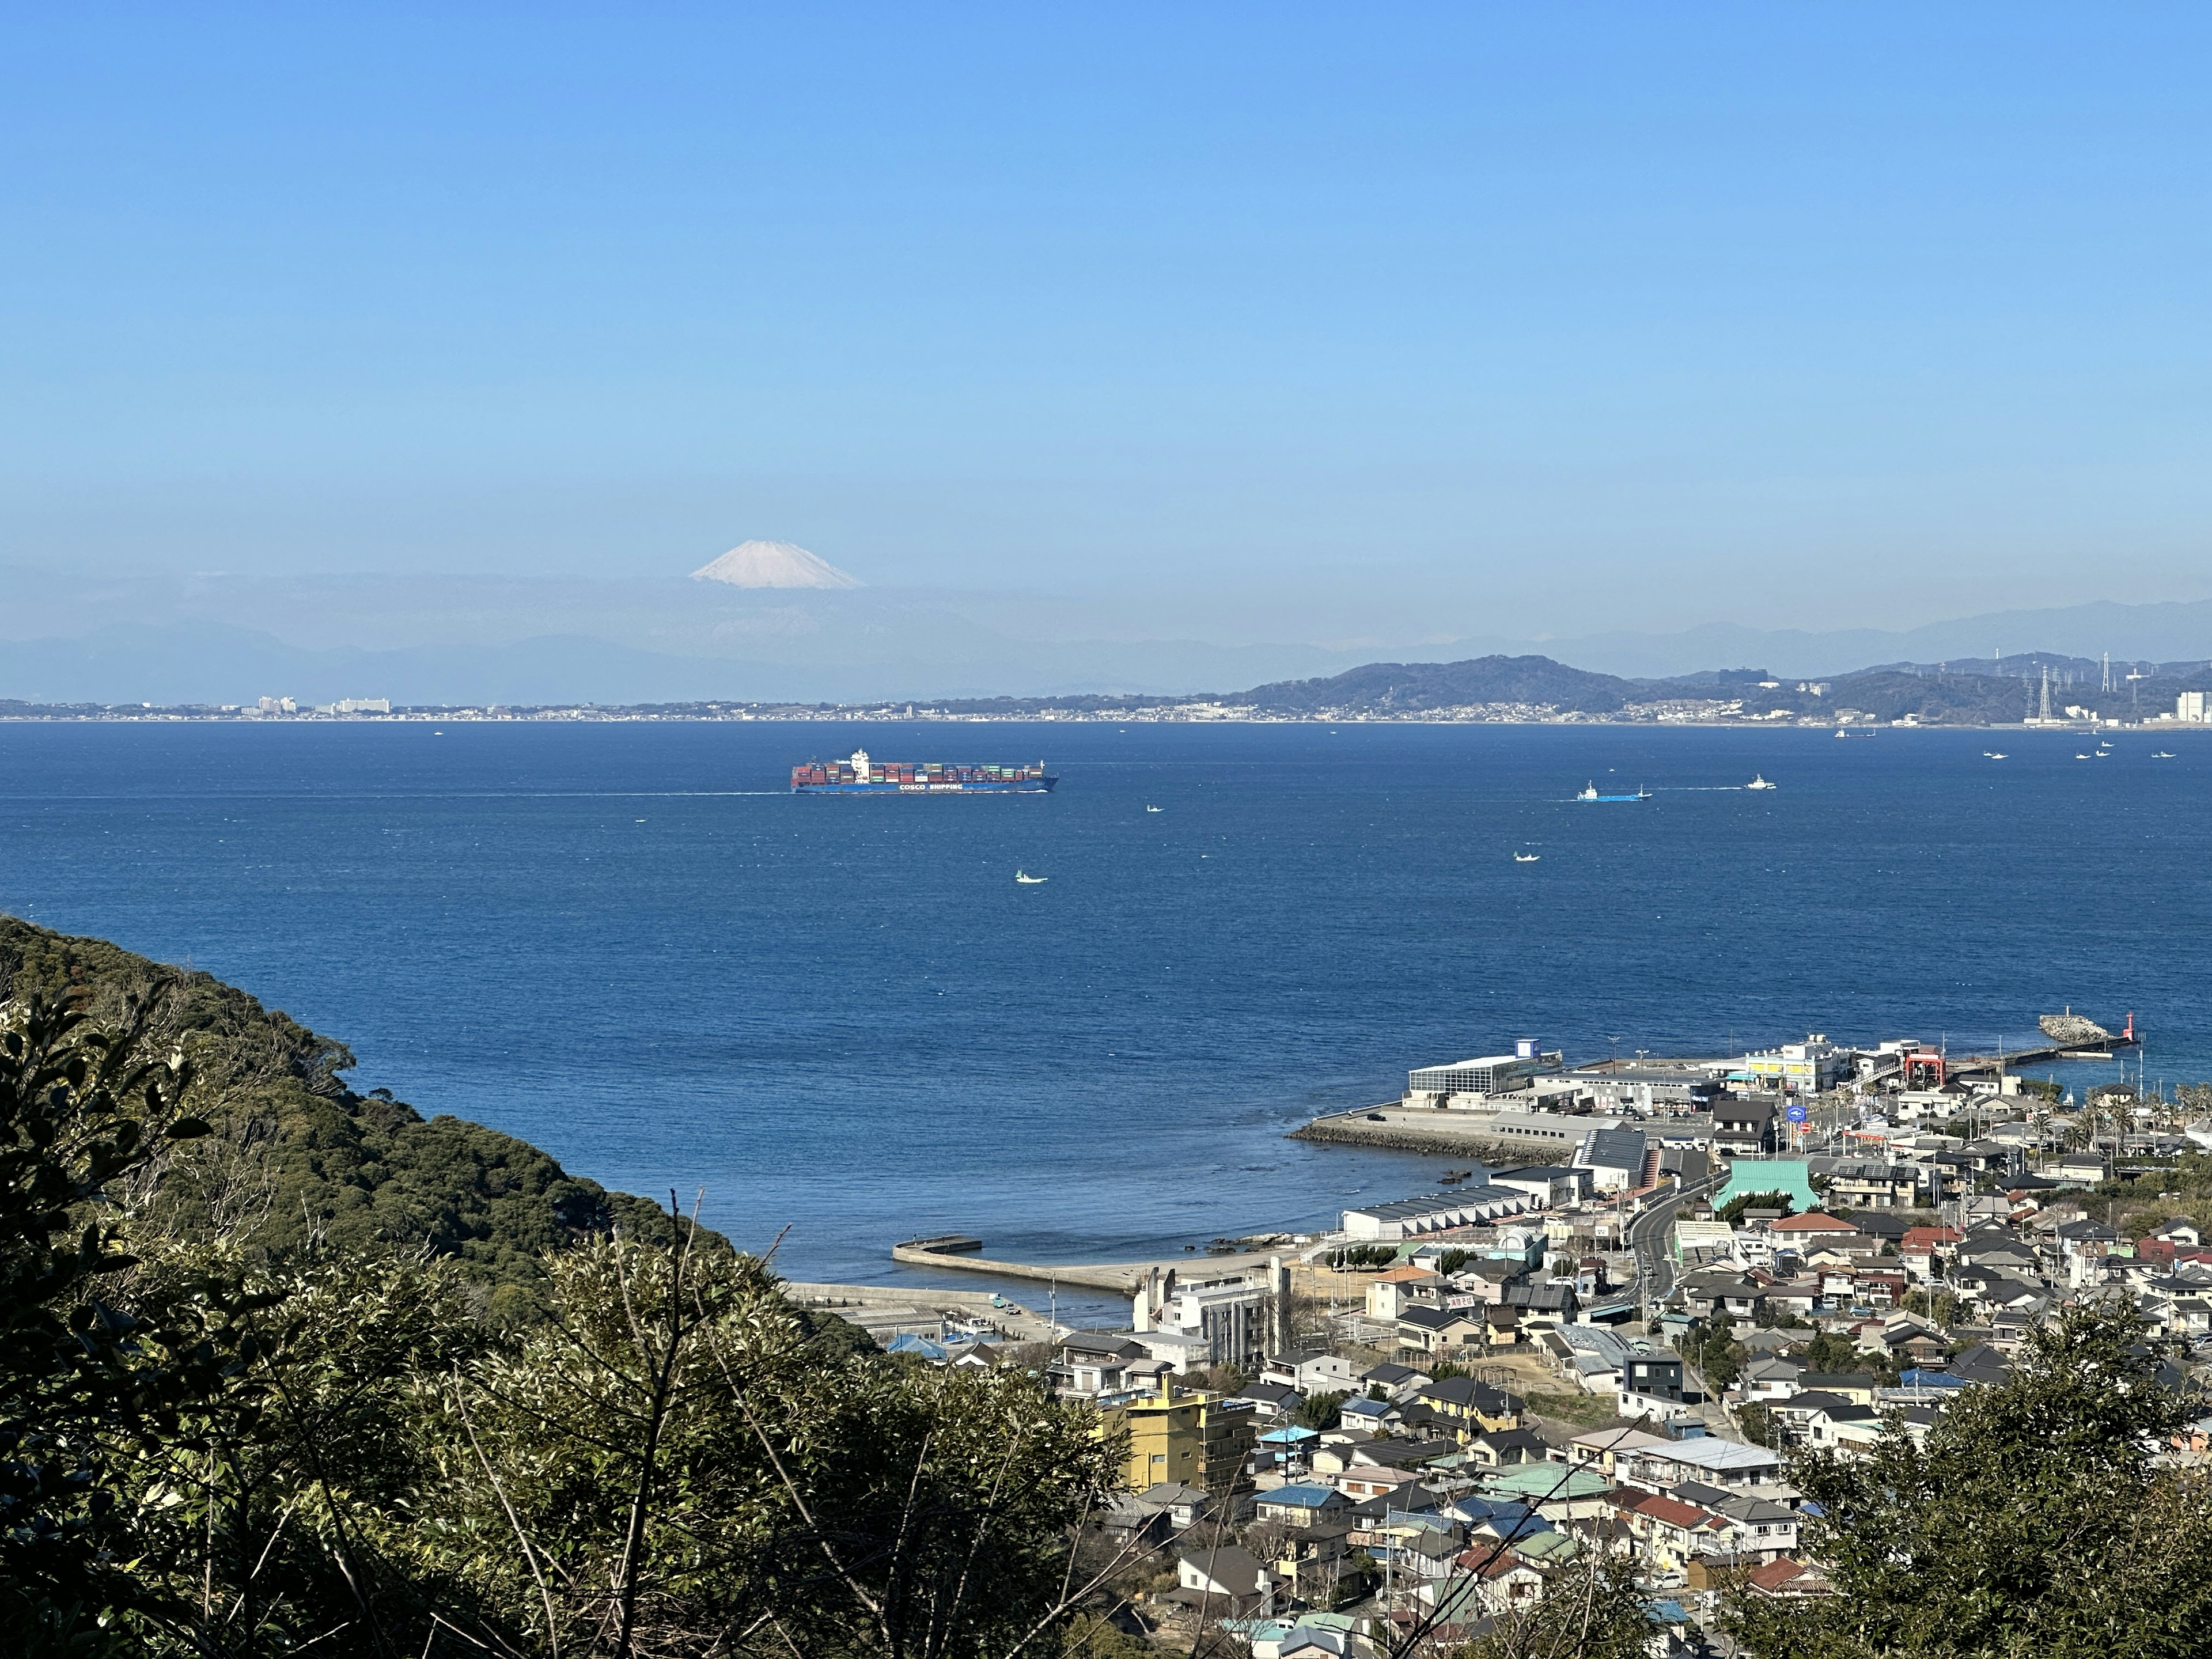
1257	329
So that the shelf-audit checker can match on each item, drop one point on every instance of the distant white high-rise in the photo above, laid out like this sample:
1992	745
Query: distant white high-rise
2190	706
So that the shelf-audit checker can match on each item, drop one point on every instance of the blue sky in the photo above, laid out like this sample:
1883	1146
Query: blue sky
1602	315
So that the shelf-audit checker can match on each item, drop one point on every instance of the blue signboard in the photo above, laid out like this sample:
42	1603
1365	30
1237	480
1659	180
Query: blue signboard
1796	1112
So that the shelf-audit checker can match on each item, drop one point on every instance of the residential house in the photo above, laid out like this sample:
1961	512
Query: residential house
1390	1293
1473	1405
1743	1127
1312	1373
1546	1184
1606	1449
1668	1532
1921	1253
1093	1363
1498	1448
1269	1401
1759	1527
1372	1480
1769	1379
1707	1458
1305	1504
1853	1431
1226	1583
1720	1292
1398	1382
1442	1330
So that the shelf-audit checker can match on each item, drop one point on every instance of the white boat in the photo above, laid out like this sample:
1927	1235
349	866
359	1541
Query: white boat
1526	858
1151	808
1758	781
2079	756
1996	754
1028	880
1589	793
2163	754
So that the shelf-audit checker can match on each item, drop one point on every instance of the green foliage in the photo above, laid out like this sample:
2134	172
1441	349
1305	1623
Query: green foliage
1732	1212
83	1383
2037	1520
1942	1306
225	1445
1832	1354
1322	1411
1592	1607
1452	1260
764	1490
1363	1256
1718	1355
297	1159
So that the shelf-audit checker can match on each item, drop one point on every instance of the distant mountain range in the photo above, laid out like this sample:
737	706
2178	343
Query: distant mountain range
1977	693
75	637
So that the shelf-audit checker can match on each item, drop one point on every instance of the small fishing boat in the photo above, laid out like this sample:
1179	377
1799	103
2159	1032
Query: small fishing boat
1995	754
1526	858
1758	781
2163	754
1151	808
1028	880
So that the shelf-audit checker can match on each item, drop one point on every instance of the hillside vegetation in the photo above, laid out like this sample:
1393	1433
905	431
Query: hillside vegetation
286	1370
297	1157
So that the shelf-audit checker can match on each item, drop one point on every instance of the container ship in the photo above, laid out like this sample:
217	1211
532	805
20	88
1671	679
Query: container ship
858	775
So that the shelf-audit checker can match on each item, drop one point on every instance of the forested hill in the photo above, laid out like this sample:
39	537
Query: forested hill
1417	688
297	1155
1974	694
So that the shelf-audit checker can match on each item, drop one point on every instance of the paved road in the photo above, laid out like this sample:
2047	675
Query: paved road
1648	1238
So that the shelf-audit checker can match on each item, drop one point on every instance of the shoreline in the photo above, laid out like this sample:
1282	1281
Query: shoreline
781	715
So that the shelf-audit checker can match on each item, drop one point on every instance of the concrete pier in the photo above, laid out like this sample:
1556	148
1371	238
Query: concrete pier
1122	1276
1413	1129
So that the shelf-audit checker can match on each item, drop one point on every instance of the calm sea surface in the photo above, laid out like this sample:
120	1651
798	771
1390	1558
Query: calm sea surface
627	944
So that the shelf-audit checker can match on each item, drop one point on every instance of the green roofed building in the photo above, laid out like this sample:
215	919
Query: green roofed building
1789	1176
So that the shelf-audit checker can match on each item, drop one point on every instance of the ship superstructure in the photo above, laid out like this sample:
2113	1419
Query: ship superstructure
858	774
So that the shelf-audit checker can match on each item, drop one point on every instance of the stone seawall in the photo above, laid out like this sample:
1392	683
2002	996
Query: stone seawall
1354	1130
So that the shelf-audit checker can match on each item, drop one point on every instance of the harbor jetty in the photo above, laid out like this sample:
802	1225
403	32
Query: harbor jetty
1410	1129
1120	1276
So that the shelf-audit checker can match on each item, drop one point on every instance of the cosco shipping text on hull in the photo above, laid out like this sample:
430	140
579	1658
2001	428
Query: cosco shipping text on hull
861	776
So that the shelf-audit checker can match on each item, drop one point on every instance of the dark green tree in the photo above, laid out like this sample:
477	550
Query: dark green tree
1832	1354
84	1385
1732	1212
2038	1519
1322	1411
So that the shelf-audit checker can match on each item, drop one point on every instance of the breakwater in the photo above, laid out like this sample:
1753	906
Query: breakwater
1122	1276
1393	1134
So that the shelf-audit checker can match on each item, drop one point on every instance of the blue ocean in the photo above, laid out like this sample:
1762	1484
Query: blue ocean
843	1016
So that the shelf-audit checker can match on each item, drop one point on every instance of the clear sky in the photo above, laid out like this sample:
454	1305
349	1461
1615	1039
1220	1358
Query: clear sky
1609	315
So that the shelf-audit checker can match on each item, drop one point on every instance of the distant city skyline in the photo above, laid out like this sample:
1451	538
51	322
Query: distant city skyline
1280	326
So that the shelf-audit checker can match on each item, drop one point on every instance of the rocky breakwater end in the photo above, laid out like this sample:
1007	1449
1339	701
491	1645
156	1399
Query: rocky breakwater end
1405	1132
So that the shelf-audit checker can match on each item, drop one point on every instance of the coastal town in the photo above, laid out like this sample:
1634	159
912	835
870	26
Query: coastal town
2029	691
1637	1293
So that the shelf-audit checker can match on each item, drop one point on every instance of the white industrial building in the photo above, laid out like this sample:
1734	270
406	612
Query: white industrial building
1486	1074
1432	1213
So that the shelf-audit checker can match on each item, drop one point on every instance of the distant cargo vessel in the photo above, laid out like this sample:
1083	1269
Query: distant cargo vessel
859	775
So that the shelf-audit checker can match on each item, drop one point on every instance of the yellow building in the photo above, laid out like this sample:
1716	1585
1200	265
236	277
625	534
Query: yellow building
1181	1435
